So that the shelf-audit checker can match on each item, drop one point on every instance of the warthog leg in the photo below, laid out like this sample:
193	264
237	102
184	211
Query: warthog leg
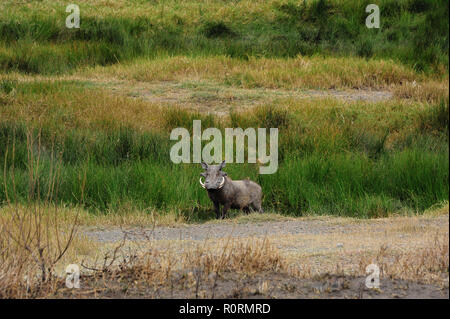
217	209
226	207
257	206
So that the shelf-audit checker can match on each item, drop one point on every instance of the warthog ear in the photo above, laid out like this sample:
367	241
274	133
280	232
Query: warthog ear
222	165
204	165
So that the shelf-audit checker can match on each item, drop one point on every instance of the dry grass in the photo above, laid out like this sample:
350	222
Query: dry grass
72	107
427	264
96	108
430	91
34	246
158	12
147	267
411	248
249	257
437	210
299	72
257	218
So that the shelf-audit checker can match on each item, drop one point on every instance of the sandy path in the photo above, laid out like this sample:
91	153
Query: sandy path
217	230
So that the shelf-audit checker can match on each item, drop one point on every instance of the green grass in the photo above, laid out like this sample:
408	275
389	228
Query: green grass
340	184
325	170
355	185
414	32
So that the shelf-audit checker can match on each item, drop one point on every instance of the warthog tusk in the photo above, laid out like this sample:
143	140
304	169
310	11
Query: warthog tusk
223	182
203	185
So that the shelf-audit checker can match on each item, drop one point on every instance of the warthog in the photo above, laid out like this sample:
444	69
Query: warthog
222	190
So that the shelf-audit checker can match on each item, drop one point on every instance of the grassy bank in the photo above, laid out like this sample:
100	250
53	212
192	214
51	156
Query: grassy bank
353	159
34	39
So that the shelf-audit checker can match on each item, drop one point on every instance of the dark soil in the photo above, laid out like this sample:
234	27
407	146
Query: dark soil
262	285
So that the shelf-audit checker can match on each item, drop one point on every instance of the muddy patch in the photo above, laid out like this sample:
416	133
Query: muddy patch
262	285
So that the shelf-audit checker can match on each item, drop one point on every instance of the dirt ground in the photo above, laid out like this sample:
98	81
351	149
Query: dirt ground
278	228
323	257
218	99
261	286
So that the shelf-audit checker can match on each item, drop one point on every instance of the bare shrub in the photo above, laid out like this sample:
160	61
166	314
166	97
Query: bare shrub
175	271
32	240
431	92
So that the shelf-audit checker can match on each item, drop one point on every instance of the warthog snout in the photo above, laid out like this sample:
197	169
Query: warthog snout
214	177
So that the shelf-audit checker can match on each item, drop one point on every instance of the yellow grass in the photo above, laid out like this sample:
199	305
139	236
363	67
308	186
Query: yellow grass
102	108
35	244
299	72
75	108
156	12
437	210
430	91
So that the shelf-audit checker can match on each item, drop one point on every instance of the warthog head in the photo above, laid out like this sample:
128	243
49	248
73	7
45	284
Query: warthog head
214	176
